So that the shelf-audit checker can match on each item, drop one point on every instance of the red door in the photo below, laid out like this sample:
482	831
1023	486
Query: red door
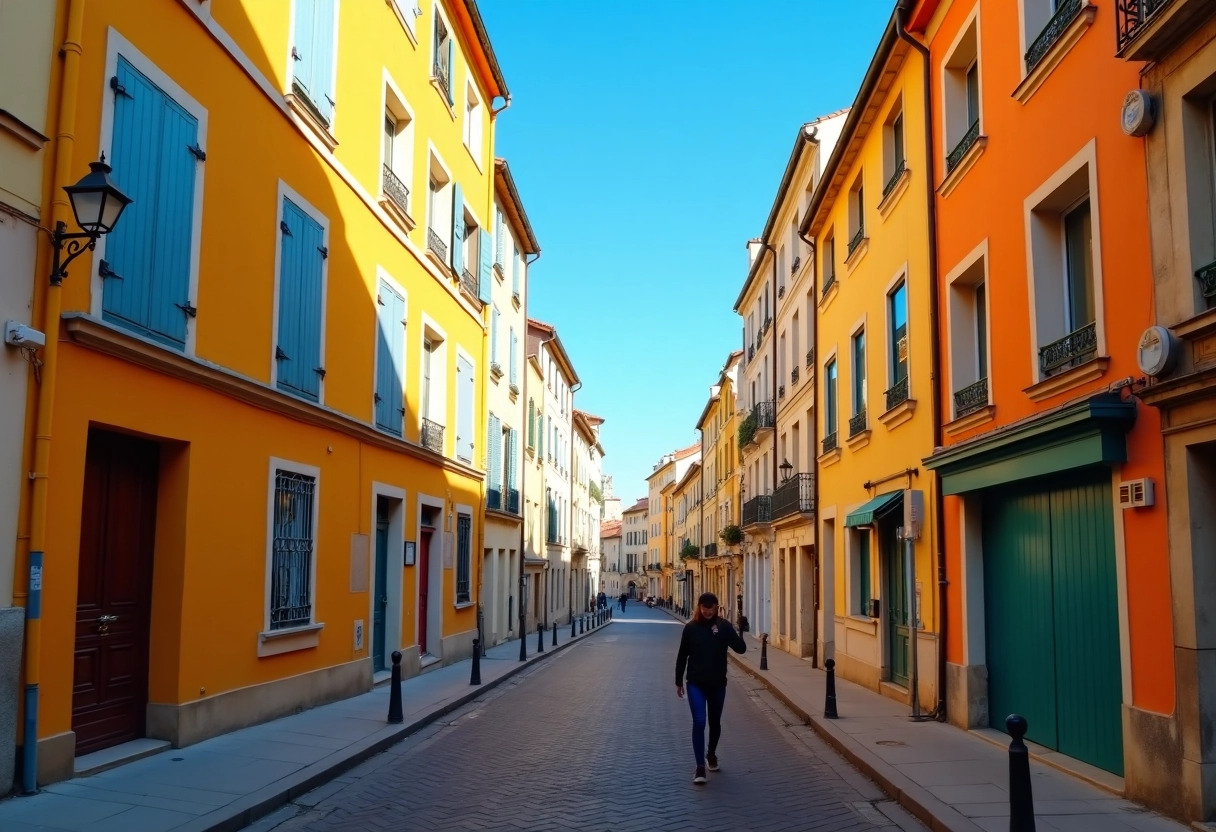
424	583
114	597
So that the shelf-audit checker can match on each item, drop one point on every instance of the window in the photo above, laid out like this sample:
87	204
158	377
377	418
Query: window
857	215
442	62
397	163
390	358
894	162
292	548
465	401
514	365
300	300
961	83
146	273
968	317
428	361
500	235
1062	268
830	406
494	463
407	12
442	198
1199	137
312	56
464	564
494	365
531	423
472	124
861	570
859	374
829	262
897	344
1045	21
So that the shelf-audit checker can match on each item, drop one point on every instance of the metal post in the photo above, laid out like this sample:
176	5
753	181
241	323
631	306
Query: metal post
573	627
475	676
1021	801
554	633
913	620
829	701
395	717
764	651
540	637
582	625
523	614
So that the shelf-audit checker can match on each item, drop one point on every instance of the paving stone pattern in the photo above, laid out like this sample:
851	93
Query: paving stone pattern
595	739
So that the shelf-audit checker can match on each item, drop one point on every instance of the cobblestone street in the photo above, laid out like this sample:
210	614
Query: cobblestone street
595	739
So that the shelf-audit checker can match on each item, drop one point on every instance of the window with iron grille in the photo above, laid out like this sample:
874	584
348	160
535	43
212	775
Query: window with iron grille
464	548
292	547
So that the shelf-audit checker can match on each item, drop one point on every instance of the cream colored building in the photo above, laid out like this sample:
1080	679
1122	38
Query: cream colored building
611	578
635	542
536	562
27	32
586	505
514	243
660	565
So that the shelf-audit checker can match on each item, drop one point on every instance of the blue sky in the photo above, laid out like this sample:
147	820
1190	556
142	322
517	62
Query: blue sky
647	139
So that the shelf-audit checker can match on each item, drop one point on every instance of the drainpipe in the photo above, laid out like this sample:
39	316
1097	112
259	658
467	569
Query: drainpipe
494	111
65	135
813	428
902	10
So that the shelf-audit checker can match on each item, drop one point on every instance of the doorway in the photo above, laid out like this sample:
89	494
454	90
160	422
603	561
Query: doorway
424	580
380	587
114	596
894	564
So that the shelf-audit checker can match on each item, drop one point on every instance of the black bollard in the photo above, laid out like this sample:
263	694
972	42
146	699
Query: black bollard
829	701
573	627
395	717
540	637
554	633
1021	801
764	652
582	625
475	676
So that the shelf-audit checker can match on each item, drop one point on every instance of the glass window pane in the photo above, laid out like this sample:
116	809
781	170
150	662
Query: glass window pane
1080	266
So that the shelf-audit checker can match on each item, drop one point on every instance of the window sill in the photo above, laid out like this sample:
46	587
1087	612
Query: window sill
399	215
859	440
513	392
888	202
515	301
861	623
1091	370
498	272
972	420
965	164
277	642
463	605
443	96
495	373
858	254
1068	38
433	256
403	20
304	114
827	297
899	414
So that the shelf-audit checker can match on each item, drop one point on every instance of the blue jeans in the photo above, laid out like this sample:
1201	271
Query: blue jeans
699	700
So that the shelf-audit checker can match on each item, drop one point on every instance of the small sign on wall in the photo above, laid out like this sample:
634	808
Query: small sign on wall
410	552
359	636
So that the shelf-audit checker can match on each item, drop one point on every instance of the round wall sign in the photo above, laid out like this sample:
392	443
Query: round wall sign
1137	117
1157	351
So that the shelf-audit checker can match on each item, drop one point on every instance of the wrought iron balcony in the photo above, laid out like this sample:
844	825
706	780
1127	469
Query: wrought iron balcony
436	244
810	358
432	436
751	353
828	283
900	167
794	266
395	189
794	376
1069	351
960	150
441	73
830	442
494	498
1207	282
898	394
794	496
780	391
757	510
780	292
468	282
1065	14
766	415
857	424
857	238
971	398
1131	17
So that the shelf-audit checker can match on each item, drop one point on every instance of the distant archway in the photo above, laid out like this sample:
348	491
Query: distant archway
633	590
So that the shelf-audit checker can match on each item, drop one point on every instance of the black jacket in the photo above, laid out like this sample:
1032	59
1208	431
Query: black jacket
703	649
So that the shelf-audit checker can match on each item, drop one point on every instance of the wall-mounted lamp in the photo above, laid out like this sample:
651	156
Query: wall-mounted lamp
97	203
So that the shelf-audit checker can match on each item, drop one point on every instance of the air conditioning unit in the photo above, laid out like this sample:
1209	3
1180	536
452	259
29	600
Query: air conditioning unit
1136	493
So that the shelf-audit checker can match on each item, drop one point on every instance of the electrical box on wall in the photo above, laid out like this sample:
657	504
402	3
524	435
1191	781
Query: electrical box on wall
914	513
1136	493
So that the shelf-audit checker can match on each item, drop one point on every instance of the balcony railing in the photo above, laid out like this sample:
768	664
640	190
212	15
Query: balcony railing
828	283
1130	17
830	442
794	376
468	282
751	353
900	167
443	75
494	499
766	415
436	244
432	436
794	496
971	398
395	189
856	241
780	391
758	510
810	358
780	292
857	424
960	150
794	266
1207	282
898	394
1072	349
1065	14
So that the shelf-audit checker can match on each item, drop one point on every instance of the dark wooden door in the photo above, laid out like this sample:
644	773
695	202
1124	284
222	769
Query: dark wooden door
895	565
114	596
424	582
380	604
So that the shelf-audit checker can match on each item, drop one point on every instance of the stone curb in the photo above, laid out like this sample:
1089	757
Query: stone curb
249	808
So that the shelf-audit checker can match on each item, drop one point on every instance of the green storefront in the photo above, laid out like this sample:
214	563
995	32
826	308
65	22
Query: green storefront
1039	503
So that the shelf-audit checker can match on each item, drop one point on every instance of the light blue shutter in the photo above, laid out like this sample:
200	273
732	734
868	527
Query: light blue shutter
494	456
457	253
494	335
390	359
324	48
512	462
146	270
514	352
540	434
515	273
298	351
531	423
464	408
487	263
303	60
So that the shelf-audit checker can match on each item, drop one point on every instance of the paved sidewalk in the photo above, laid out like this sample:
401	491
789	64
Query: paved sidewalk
225	783
951	779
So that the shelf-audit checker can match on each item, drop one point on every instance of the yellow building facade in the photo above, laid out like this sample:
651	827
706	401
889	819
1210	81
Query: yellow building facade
720	562
874	360
254	445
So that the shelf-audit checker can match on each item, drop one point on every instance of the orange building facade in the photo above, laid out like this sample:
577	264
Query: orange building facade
1058	600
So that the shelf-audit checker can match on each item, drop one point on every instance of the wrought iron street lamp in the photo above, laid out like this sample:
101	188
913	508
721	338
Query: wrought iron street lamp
97	203
786	468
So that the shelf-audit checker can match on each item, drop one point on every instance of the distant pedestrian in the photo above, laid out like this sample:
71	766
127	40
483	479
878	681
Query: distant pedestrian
703	646
602	600
624	598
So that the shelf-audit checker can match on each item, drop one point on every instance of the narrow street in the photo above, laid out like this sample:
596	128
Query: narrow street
596	739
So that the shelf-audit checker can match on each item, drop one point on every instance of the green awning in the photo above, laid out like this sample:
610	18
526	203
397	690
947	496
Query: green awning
874	508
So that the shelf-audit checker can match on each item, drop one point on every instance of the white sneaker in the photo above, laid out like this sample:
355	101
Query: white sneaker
699	777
